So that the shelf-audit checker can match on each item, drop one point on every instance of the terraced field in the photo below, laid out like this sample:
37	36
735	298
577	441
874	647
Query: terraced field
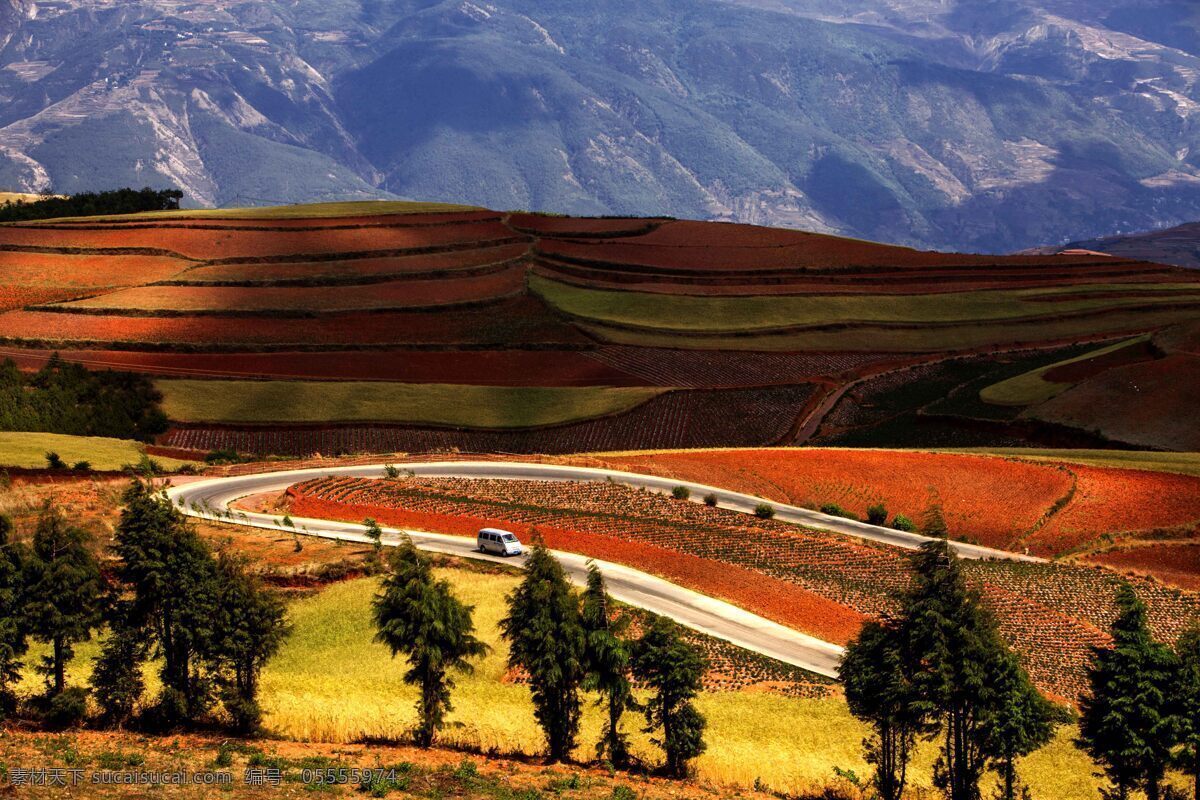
430	293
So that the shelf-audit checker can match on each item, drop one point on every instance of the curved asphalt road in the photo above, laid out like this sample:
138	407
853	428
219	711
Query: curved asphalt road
210	499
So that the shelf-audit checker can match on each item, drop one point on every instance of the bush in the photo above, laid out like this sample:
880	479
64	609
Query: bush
877	514
82	466
244	714
67	709
225	455
681	493
391	472
903	523
710	500
834	510
54	461
764	511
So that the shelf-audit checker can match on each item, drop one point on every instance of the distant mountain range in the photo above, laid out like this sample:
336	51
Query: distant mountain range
988	125
1179	246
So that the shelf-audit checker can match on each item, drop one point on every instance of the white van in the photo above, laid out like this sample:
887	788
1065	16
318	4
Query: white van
501	543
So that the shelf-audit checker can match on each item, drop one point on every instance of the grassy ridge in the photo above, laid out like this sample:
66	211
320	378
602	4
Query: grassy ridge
367	401
1031	388
882	339
28	451
733	314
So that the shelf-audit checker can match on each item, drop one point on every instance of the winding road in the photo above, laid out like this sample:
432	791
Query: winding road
211	499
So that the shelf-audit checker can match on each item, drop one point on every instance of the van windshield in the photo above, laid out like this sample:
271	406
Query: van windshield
508	537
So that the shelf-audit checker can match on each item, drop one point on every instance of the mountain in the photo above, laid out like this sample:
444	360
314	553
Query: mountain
968	124
1178	246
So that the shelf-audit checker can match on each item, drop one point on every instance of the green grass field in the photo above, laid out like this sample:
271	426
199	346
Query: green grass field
733	314
1031	388
883	339
425	403
299	211
28	450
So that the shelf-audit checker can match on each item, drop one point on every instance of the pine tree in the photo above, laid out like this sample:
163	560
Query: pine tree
418	616
546	639
375	534
880	693
117	682
172	575
1019	721
1128	721
1187	690
607	657
250	627
13	621
63	593
953	647
673	670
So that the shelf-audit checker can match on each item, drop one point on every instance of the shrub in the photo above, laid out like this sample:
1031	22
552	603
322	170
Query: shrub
224	455
391	471
903	523
764	511
710	500
54	461
834	510
67	709
82	466
877	514
681	493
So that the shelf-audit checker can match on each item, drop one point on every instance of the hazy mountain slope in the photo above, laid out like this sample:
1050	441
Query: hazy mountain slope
971	124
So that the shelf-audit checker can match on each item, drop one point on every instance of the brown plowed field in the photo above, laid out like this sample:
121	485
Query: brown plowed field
182	220
540	225
51	270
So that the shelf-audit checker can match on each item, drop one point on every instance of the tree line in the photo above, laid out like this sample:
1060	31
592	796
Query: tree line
88	204
64	397
206	619
564	641
939	670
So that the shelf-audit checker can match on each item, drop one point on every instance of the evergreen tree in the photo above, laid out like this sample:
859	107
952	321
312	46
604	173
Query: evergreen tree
1187	691
418	615
953	648
607	658
117	682
13	622
173	578
1128	721
1019	721
375	534
63	593
546	639
880	692
249	629
673	670
933	520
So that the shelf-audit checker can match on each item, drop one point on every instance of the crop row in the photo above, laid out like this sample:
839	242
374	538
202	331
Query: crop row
227	300
521	321
692	418
56	271
700	368
228	244
361	270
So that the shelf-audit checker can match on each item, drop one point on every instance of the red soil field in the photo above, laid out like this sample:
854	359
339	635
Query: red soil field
541	225
347	271
1175	563
183	220
779	600
14	297
84	271
993	500
321	299
520	322
477	367
1120	501
697	369
232	244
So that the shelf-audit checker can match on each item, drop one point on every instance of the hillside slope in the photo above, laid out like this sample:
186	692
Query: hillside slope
962	125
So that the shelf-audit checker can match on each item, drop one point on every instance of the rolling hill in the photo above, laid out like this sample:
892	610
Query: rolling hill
950	125
394	326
